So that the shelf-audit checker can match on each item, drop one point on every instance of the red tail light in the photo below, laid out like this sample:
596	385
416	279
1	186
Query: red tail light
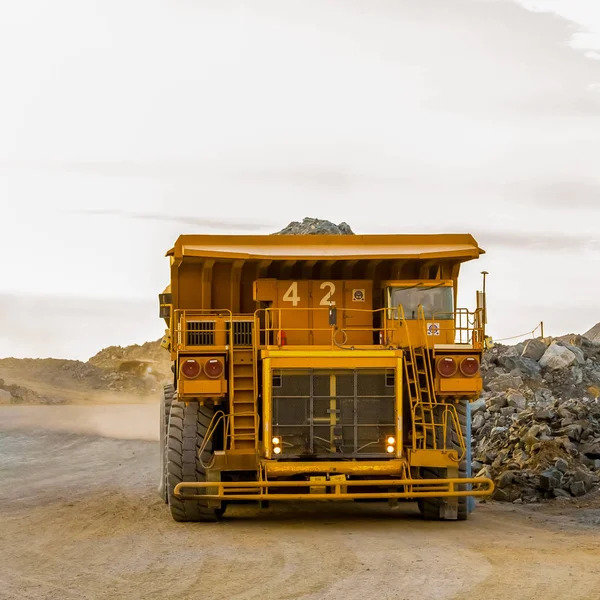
282	338
190	368
469	366
213	368
447	366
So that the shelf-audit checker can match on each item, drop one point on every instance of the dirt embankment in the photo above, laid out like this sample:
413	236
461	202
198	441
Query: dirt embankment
114	375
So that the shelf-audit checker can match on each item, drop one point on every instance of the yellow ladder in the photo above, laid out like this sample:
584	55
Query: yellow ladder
422	399
242	395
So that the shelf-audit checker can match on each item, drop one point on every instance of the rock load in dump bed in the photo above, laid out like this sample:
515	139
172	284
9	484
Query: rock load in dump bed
310	226
536	428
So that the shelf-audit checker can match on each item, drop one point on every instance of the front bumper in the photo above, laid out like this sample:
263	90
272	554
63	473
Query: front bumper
337	487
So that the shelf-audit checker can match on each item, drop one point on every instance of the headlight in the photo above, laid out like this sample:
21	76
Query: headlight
276	441
277	450
390	449
391	440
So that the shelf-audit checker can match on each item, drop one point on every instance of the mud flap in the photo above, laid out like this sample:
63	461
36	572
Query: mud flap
449	506
449	509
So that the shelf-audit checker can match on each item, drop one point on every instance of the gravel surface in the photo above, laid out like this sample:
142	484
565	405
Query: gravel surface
81	519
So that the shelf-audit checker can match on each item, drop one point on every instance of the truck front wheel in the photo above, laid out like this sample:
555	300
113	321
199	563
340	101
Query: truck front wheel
187	430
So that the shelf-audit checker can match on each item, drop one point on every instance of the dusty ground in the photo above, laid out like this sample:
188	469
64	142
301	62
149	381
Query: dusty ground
80	519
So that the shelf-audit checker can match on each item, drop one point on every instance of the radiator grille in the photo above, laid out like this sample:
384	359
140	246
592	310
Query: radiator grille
320	413
201	333
242	333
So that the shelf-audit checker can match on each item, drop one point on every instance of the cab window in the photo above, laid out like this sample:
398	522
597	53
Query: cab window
437	301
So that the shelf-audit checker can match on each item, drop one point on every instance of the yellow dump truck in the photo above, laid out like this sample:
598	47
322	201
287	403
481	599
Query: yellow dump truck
319	367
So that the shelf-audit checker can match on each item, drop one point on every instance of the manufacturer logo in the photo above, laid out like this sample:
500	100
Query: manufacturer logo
358	295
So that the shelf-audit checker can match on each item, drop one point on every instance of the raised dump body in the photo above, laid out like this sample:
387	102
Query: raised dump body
319	367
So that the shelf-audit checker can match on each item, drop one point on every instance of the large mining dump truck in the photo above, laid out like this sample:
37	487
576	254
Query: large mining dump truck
319	367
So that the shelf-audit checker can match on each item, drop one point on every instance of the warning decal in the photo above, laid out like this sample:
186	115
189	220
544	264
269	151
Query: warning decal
433	329
358	295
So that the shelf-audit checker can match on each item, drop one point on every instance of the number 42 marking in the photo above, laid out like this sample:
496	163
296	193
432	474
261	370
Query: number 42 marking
291	294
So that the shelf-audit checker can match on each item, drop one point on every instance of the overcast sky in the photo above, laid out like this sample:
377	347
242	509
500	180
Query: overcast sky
125	123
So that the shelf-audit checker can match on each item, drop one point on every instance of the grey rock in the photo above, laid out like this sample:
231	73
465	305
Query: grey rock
573	432
545	415
476	466
505	382
495	403
534	349
478	422
557	357
516	400
507	478
586	478
577	488
577	375
561	465
550	479
498	430
477	406
560	493
578	352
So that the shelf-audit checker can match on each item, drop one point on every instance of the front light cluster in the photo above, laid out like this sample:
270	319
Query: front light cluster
391	444
448	367
276	445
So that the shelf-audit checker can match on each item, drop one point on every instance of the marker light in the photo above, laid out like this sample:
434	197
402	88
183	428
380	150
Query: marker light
213	368
277	449
276	441
447	367
469	366
391	440
390	449
190	368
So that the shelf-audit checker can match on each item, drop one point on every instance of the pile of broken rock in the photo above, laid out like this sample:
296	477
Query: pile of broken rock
536	428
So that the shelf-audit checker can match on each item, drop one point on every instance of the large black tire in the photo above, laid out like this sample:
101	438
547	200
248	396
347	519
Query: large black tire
187	429
165	409
430	507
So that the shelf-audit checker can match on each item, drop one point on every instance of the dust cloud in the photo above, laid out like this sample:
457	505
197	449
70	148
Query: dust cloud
119	421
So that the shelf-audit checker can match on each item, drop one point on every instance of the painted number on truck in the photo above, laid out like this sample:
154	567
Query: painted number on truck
292	294
326	300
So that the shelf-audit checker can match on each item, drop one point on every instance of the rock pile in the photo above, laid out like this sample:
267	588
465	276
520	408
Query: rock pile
536	428
310	226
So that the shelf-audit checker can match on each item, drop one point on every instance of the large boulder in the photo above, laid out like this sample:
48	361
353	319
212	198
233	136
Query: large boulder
534	349
557	357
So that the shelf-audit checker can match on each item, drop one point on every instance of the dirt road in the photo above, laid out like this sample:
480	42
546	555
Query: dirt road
80	519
